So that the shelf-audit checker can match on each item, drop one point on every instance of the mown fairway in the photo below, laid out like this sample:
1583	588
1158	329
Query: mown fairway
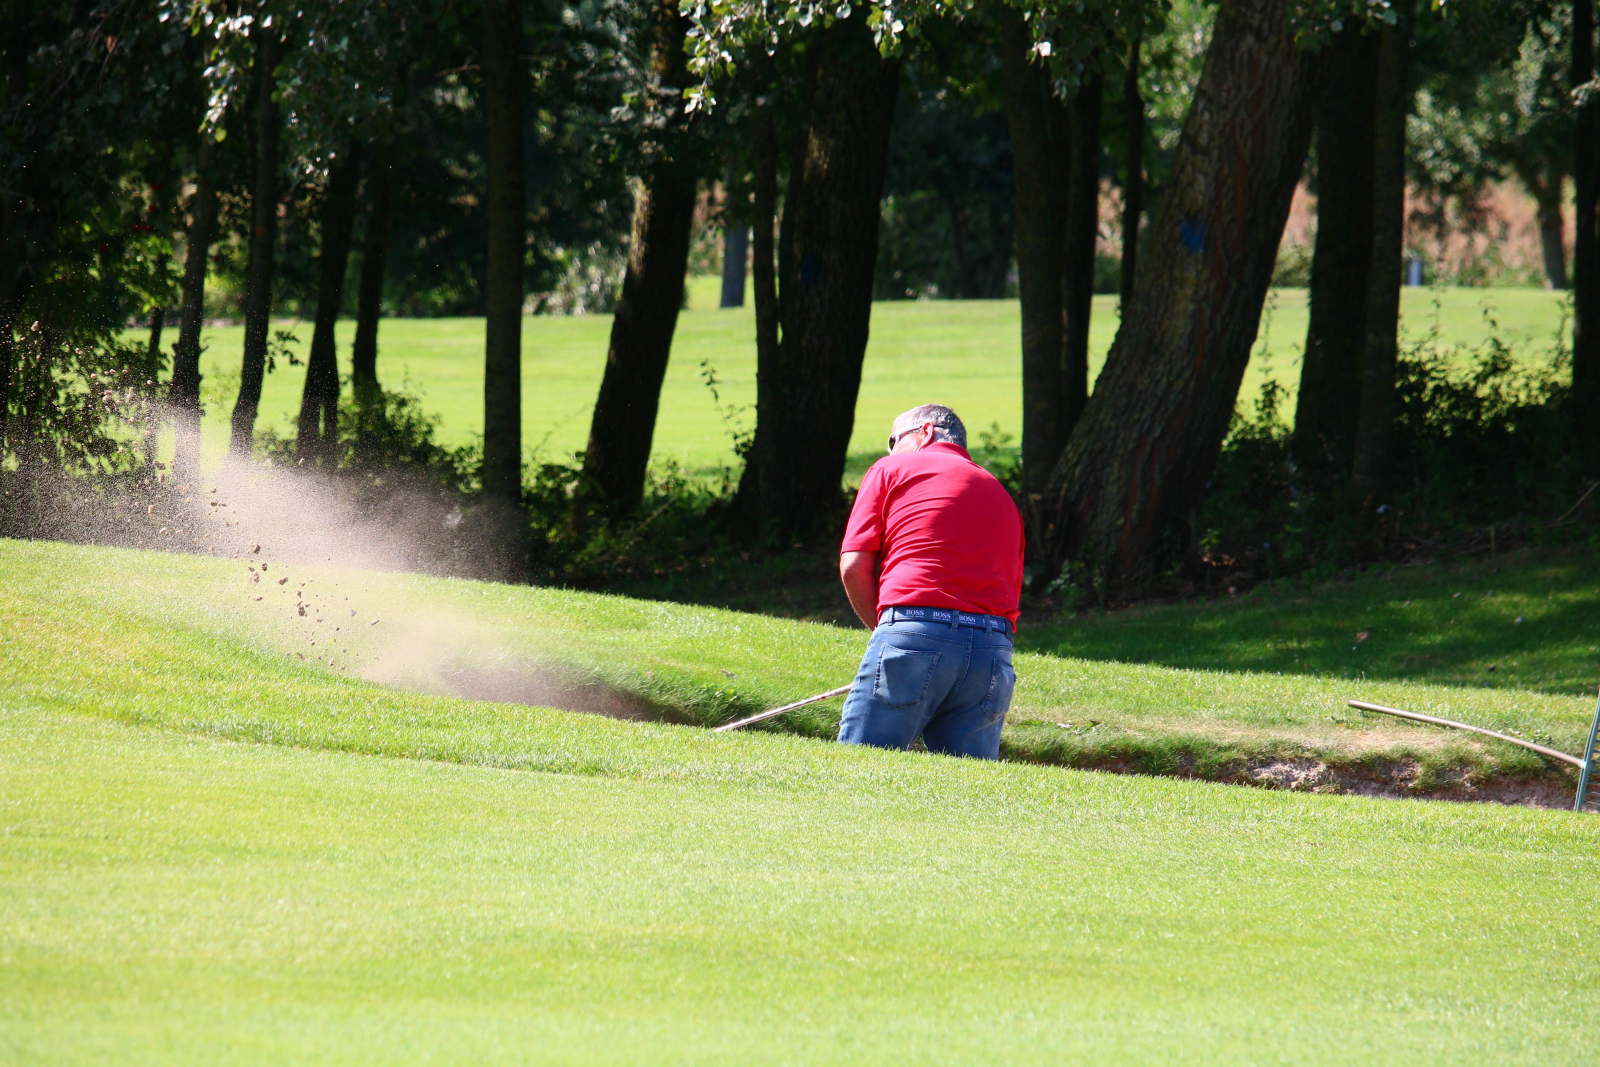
215	853
959	352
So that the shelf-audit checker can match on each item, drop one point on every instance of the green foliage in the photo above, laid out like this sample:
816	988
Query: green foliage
997	454
390	430
1480	439
946	228
79	399
1293	267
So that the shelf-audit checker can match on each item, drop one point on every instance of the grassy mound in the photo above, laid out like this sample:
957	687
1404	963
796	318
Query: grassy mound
88	613
673	895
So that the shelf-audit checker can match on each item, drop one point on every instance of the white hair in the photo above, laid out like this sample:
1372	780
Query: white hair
947	425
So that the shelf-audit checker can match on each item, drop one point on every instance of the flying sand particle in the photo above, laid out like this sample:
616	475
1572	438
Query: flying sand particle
255	548
283	581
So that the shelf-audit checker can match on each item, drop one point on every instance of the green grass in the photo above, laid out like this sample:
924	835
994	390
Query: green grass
1530	621
543	887
960	352
704	665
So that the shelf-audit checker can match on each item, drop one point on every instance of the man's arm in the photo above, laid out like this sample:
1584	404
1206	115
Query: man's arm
859	573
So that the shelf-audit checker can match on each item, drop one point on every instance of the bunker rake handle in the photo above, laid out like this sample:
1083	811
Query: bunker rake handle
1550	753
775	712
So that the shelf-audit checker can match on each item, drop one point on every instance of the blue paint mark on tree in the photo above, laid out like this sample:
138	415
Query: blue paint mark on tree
1193	233
810	268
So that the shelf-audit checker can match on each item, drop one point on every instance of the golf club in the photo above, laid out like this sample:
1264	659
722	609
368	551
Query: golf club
775	712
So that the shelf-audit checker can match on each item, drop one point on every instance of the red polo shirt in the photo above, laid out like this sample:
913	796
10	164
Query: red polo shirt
948	532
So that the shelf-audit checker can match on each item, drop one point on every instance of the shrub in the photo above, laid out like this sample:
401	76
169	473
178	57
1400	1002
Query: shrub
1480	440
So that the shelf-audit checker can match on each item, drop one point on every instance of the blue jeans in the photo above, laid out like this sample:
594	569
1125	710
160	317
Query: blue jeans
951	685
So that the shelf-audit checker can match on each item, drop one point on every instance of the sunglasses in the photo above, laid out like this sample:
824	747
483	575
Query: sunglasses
895	437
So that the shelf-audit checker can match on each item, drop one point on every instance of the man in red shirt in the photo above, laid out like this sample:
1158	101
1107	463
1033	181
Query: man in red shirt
932	563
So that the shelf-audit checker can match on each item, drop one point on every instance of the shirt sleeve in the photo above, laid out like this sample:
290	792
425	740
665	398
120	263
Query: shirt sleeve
864	532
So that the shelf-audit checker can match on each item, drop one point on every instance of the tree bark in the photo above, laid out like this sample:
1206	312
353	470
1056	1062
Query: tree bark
183	394
1585	240
318	428
1078	247
158	319
1040	196
1138	461
826	294
1133	169
735	243
1543	180
13	287
503	288
1375	424
1552	235
263	245
758	503
735	250
764	292
624	422
152	414
374	261
1330	373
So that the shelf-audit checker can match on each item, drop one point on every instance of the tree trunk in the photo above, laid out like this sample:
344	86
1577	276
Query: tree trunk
18	30
1330	374
1139	459
318	428
184	392
624	422
764	292
735	250
826	296
1133	168
152	413
1375	424
503	287
1543	180
158	319
1586	242
1078	247
263	246
374	260
1040	197
735	245
1551	236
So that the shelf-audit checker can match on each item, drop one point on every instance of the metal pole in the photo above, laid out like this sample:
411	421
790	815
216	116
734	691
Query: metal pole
1588	762
775	712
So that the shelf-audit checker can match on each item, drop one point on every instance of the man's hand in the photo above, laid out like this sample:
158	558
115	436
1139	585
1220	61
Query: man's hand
859	573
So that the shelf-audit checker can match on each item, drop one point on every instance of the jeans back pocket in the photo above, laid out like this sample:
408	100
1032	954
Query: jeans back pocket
904	675
1002	683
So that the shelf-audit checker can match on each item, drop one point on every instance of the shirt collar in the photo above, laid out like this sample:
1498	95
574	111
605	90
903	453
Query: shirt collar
948	446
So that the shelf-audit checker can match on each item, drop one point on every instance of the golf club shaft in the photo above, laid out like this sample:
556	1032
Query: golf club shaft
775	712
1550	752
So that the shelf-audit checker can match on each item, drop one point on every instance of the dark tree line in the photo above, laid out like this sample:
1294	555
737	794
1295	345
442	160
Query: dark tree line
461	145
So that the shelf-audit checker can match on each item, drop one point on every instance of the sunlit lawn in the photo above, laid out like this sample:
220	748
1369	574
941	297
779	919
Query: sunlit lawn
213	853
961	353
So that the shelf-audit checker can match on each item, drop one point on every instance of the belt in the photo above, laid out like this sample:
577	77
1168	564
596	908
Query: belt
947	616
